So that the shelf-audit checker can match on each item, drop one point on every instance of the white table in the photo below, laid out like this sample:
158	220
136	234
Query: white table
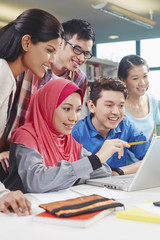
108	228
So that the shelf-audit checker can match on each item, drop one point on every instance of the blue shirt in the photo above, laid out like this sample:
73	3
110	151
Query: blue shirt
85	133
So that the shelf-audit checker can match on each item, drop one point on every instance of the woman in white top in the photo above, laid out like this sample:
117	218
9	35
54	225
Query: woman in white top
141	107
28	42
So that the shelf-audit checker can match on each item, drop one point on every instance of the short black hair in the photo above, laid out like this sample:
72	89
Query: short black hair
82	28
107	83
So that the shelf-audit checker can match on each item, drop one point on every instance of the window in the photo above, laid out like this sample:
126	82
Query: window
115	51
154	83
149	51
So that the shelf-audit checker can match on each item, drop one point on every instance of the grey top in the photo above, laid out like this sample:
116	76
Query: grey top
29	174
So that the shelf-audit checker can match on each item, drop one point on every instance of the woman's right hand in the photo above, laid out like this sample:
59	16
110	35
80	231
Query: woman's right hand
109	147
17	202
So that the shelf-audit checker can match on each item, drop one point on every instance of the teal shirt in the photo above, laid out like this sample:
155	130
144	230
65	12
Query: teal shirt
146	124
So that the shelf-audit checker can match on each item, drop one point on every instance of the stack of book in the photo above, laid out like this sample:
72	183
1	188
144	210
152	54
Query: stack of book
82	221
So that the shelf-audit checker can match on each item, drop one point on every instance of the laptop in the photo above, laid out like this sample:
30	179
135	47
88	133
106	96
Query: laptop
147	176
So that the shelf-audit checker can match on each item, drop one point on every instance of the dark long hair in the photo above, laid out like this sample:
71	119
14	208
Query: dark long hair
39	24
127	63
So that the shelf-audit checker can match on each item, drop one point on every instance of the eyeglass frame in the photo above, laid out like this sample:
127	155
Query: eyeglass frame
84	52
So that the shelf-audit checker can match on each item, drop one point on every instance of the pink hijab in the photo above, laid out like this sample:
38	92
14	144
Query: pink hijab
38	131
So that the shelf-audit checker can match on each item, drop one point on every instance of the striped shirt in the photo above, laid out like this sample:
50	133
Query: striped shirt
28	84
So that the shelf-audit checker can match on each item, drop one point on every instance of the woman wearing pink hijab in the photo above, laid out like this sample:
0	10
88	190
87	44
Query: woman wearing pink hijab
44	156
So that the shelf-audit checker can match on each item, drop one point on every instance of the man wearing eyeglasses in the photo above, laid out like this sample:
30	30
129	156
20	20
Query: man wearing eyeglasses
75	50
73	53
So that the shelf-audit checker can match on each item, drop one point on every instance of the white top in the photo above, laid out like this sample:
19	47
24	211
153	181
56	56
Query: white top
146	124
7	88
3	190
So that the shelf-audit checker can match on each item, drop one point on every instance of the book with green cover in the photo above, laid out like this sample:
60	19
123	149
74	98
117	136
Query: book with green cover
139	214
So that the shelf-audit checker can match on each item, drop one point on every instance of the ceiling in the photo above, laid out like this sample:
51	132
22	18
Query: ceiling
104	24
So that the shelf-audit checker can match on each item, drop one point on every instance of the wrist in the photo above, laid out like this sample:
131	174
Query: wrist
118	170
95	161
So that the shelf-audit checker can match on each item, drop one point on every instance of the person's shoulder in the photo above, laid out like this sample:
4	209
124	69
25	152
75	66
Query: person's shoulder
9	85
24	137
80	72
152	98
126	123
132	128
81	123
80	127
3	62
5	70
20	133
4	65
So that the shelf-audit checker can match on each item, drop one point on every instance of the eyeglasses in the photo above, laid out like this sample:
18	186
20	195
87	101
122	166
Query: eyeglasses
78	50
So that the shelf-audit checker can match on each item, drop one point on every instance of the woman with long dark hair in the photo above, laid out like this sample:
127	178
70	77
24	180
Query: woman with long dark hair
28	42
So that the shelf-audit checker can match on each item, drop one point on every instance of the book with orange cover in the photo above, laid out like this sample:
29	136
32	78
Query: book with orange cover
82	221
77	212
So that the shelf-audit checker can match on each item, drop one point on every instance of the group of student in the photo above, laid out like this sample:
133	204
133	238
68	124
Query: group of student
44	146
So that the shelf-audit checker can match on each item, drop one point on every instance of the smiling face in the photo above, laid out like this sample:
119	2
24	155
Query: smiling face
67	114
66	59
38	57
108	112
137	81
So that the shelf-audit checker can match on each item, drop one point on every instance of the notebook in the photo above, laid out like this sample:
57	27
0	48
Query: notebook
82	221
147	176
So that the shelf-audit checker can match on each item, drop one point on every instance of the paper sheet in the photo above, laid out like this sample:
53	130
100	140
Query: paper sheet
55	196
104	192
148	206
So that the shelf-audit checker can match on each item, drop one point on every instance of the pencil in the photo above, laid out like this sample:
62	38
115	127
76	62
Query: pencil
134	143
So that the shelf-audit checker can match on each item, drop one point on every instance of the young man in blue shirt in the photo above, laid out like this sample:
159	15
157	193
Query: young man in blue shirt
107	121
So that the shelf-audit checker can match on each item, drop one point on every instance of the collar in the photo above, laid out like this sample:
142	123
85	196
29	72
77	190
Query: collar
94	132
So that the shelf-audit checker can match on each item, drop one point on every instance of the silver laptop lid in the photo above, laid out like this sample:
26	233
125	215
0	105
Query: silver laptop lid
147	176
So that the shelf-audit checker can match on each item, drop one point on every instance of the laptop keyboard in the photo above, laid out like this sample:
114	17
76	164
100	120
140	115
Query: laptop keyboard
123	183
117	182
